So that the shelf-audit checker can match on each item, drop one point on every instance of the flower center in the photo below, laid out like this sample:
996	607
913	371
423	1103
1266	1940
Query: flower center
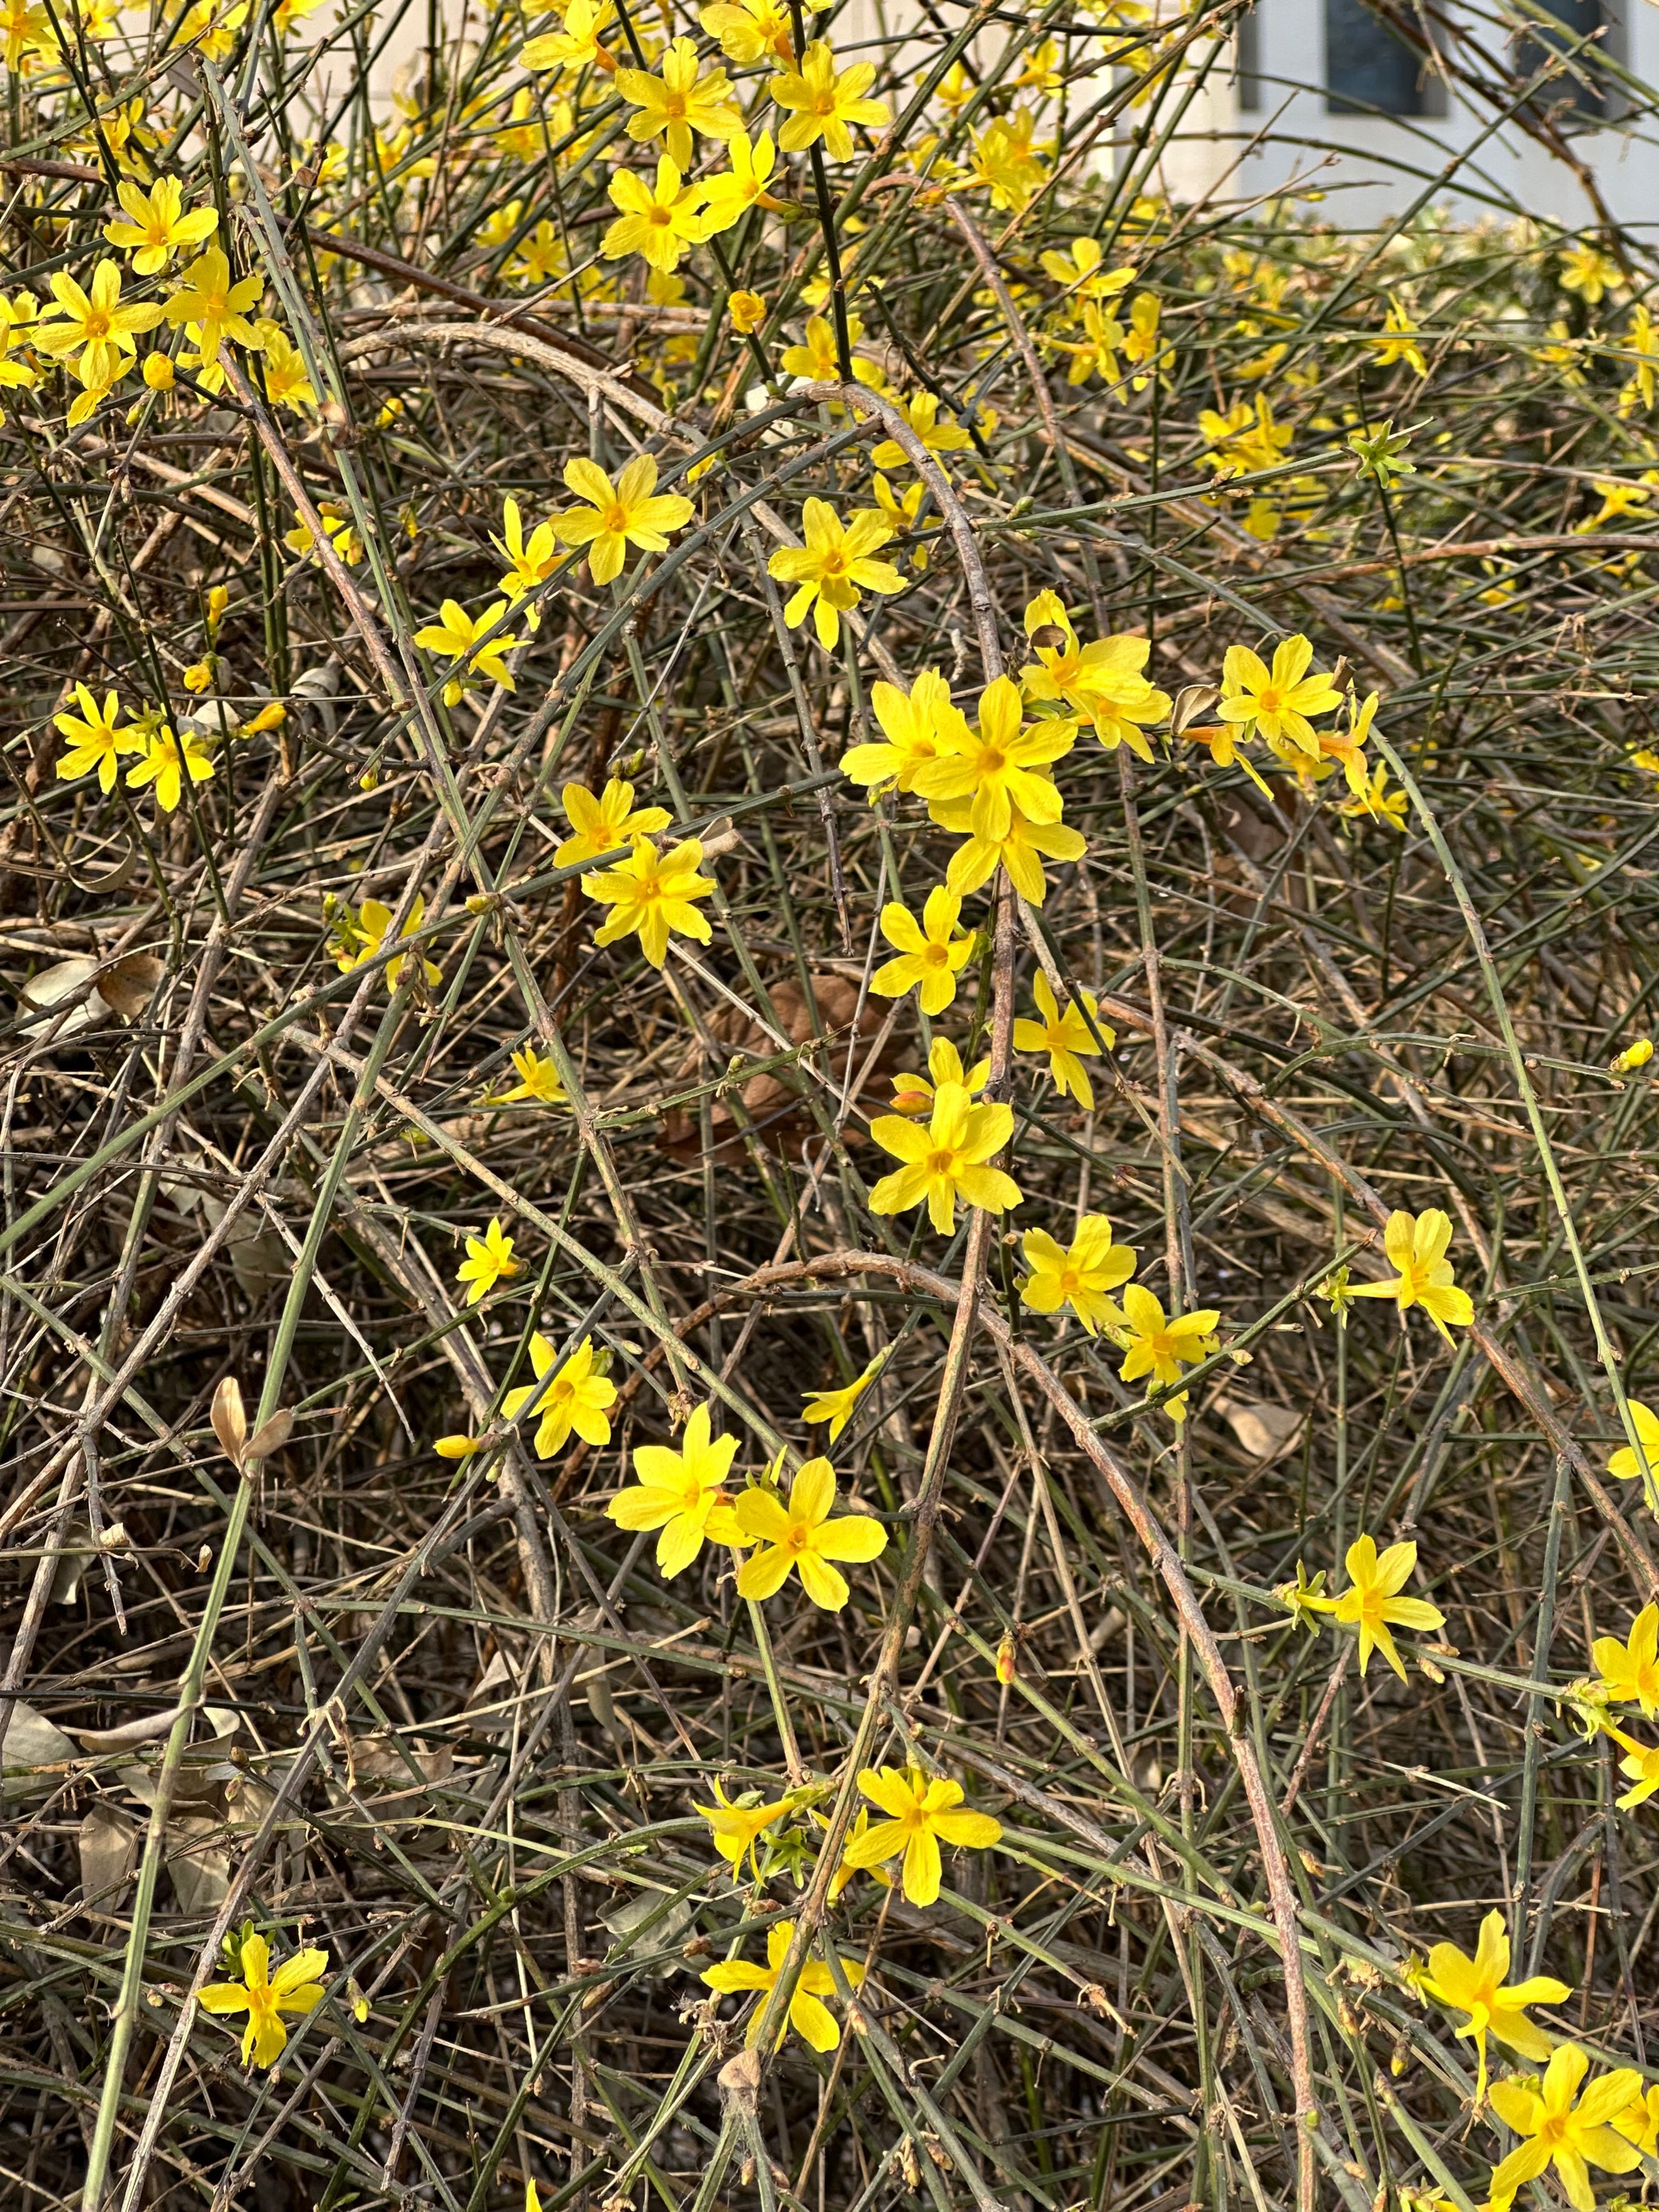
616	522
799	1539
1272	700
824	103
992	762
939	1162
97	323
935	956
835	563
660	216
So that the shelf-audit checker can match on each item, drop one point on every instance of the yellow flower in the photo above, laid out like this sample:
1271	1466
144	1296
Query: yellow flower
750	30
208	298
97	738
676	103
652	893
1399	341
998	766
630	512
747	309
296	1988
1632	1057
456	635
914	1094
1080	272
1066	1038
1161	1346
1625	1462
679	1493
604	824
27	30
365	936
1021	852
1417	1248
903	509
1225	746
1630	1672
929	956
1276	703
736	1829
167	760
488	1261
1476	1986
572	1396
657	221
283	371
540	258
1095	354
947	1161
1372	1602
826	103
1641	343
1379	804
810	2017
93	325
921	1815
1642	1764
1007	166
538	1079
1141	340
729	197
937	437
211	28
836	1406
801	1537
909	722
816	360
1080	1278
156	225
577	46
1639	2122
832	567
1572	2136
1590	273
845	1872
529	565
338	529
1102	682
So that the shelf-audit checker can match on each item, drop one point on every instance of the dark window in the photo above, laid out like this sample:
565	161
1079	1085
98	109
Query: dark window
1247	63
1370	69
1575	95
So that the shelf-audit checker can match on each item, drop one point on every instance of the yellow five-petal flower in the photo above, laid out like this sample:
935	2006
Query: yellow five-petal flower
800	1538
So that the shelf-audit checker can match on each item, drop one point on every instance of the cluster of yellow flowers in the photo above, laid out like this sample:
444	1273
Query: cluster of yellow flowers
92	331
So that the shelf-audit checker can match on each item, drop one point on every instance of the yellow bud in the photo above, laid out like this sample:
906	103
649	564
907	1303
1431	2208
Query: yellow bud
747	311
1634	1056
158	372
1005	1660
456	1447
269	717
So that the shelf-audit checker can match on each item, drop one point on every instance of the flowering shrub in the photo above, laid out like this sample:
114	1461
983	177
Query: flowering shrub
863	899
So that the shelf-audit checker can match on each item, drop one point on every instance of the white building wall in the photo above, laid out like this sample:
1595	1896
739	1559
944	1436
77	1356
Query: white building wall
1386	163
